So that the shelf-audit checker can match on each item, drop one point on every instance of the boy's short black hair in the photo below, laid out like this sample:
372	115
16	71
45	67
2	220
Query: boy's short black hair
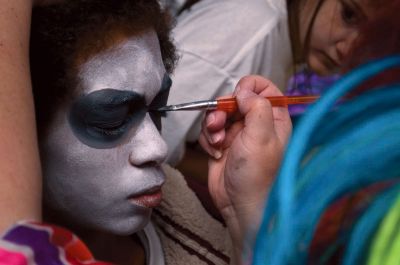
74	28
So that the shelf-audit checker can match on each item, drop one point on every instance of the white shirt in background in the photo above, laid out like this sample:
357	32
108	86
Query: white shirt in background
220	41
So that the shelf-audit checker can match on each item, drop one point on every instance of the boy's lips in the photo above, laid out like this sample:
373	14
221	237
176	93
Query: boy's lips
149	199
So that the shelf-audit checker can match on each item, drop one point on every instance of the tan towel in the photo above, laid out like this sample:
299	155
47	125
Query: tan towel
189	235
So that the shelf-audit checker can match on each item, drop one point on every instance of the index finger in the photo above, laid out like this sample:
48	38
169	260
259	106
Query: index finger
258	85
254	84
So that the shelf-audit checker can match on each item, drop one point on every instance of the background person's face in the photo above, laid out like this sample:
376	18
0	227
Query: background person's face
335	28
102	155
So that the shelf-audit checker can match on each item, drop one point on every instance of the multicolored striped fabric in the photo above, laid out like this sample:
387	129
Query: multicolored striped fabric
29	243
335	225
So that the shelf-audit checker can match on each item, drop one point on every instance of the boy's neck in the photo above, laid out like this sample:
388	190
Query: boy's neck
122	250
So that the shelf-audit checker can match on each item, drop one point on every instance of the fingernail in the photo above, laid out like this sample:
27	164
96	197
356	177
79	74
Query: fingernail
217	154
245	94
210	119
215	138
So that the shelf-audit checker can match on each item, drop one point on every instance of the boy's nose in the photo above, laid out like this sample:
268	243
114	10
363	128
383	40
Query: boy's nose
148	146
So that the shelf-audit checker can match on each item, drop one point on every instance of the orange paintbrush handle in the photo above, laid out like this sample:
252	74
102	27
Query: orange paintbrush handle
230	104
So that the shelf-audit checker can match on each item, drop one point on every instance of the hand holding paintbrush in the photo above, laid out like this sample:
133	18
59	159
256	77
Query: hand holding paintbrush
246	147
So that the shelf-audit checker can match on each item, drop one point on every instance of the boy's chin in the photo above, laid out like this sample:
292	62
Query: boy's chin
127	226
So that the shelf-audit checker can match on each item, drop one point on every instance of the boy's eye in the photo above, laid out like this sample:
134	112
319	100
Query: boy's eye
103	118
112	125
111	128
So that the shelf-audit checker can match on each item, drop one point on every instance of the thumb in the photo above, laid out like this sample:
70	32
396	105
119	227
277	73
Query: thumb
258	116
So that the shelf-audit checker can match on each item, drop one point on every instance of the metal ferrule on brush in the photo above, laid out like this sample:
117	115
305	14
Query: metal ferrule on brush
197	105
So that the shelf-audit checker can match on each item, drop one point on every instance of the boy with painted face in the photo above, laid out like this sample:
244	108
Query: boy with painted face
103	150
99	68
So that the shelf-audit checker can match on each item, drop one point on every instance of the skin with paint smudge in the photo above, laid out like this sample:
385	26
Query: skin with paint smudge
103	152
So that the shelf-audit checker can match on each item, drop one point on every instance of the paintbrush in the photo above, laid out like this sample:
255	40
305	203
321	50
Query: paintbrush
230	104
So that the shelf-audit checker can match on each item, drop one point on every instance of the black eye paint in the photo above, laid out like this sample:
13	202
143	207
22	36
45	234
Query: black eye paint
160	101
101	119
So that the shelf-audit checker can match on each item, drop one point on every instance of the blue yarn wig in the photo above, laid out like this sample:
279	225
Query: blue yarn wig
335	150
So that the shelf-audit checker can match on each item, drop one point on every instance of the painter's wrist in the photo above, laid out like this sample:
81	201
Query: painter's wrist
233	225
236	256
242	247
243	233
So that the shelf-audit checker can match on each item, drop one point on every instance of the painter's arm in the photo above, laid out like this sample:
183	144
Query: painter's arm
20	175
251	149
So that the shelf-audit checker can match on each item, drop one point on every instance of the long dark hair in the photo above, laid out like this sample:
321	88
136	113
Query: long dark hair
300	47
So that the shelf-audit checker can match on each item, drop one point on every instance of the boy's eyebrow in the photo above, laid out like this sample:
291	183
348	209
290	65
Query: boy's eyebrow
110	98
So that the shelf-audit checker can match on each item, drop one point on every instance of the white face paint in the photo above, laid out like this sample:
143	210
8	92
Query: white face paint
110	186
